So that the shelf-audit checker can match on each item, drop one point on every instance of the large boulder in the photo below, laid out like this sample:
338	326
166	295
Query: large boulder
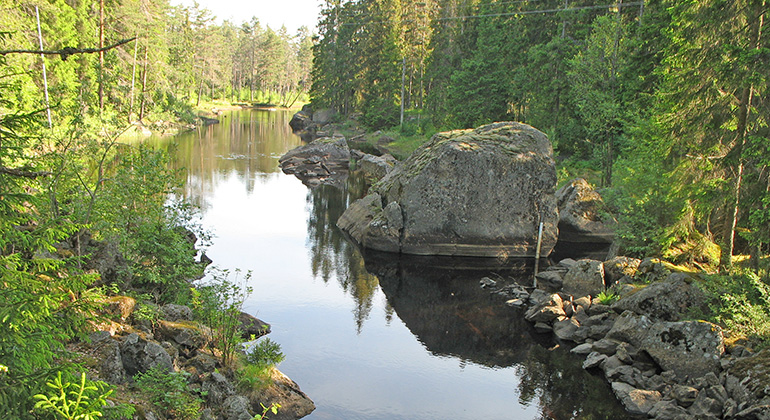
324	161
687	348
668	300
479	193
303	125
582	214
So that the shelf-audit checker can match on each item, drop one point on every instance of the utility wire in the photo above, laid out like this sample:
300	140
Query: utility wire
503	14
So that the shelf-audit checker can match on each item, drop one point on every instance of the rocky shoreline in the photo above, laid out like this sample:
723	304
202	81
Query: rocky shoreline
660	364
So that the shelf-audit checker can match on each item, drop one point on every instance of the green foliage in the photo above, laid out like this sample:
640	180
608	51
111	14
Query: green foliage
273	408
741	303
74	401
265	352
608	297
218	303
168	393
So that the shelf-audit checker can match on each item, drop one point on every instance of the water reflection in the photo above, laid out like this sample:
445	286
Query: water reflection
331	255
246	144
427	341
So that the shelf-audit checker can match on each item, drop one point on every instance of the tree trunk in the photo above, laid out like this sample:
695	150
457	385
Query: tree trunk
144	85
101	56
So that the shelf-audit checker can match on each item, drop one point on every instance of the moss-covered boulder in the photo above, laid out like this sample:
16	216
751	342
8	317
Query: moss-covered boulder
480	193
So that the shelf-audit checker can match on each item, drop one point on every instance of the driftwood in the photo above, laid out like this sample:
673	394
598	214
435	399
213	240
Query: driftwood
68	51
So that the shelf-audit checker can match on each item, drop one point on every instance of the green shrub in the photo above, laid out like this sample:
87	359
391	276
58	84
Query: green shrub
265	352
167	391
74	401
740	303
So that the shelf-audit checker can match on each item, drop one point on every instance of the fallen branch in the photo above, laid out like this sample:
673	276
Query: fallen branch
68	51
22	173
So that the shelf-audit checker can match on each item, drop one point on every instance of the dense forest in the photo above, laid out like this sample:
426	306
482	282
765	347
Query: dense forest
663	103
75	78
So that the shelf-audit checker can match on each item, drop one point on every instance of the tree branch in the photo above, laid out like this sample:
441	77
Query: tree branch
68	51
22	173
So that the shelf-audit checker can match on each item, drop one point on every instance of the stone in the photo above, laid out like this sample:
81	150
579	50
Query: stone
550	280
324	160
583	216
486	283
538	296
139	355
584	349
684	395
324	116
110	361
187	334
546	311
619	267
605	346
217	388
761	412
668	300
584	302
688	348
479	193
668	410
652	269
594	360
747	380
636	401
586	278
236	407
705	407
252	326
543	327
375	167
174	312
120	307
294	403
565	329
516	303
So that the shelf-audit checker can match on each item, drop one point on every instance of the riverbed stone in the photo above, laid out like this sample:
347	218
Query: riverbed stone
479	193
294	403
546	311
325	161
688	348
636	401
585	278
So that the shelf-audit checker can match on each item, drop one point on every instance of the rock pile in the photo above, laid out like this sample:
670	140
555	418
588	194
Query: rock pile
658	364
324	161
176	343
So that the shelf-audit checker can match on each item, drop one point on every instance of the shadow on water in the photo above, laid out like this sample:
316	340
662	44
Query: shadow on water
440	301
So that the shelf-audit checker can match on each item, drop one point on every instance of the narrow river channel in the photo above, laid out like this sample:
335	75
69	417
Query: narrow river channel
380	337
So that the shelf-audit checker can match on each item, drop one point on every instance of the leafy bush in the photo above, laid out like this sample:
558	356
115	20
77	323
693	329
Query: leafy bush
741	303
168	393
218	303
265	352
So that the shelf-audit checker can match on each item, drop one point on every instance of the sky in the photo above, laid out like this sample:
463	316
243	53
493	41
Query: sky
273	13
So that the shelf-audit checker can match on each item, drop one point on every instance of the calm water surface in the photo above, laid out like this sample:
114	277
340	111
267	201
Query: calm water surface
375	336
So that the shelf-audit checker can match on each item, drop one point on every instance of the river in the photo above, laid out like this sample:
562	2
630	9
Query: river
381	337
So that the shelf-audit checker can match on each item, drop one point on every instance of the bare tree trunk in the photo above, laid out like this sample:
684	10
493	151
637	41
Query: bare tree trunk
144	85
133	79
101	56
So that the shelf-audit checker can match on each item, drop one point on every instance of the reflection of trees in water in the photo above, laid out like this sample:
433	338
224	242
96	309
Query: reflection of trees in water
246	144
331	255
563	389
440	301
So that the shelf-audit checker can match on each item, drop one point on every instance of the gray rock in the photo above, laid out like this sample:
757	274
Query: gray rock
110	361
550	280
583	216
747	380
606	346
684	395
761	412
476	192
252	326
594	360
620	267
667	300
186	334
324	160
652	269
565	329
688	348
584	349
376	167
324	116
294	403
586	278
538	296
486	283
546	311
543	327
173	312
668	410
236	407
217	388
584	302
636	401
705	407
139	355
